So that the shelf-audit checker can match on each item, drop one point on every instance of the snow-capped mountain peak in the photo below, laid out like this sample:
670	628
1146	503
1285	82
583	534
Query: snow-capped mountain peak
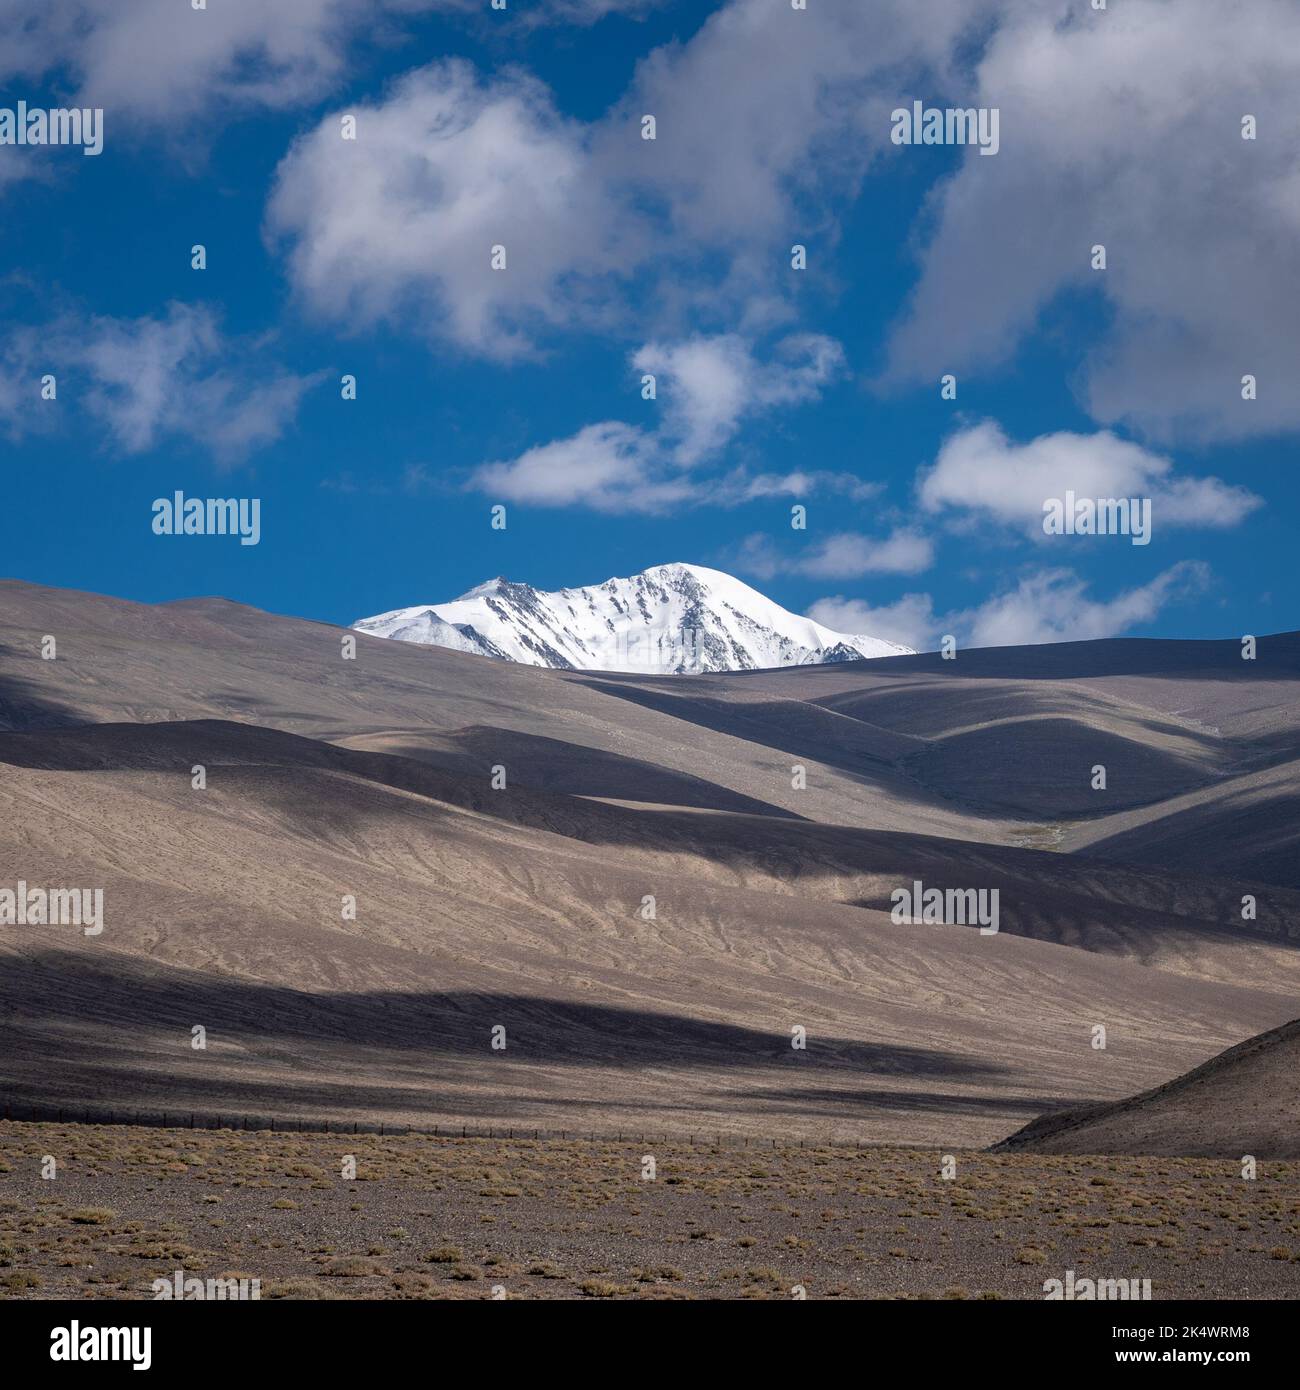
676	618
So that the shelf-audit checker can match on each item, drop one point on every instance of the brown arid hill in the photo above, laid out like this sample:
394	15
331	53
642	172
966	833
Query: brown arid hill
526	907
1245	1101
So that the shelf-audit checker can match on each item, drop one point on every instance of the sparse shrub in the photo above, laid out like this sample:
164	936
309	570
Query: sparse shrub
351	1267
92	1216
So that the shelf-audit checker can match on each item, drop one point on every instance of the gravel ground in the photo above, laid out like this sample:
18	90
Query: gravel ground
478	1218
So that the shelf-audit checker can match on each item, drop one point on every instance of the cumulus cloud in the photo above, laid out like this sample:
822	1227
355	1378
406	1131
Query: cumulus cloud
1053	606
846	555
1046	605
707	385
710	387
400	223
149	379
608	467
617	468
161	61
156	60
763	116
767	108
980	474
910	621
1123	128
768	121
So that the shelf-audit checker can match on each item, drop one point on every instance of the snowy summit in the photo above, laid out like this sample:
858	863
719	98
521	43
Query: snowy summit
668	619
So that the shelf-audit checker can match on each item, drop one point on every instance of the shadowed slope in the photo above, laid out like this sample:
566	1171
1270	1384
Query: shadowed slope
677	875
309	787
222	907
555	765
1248	826
1244	1101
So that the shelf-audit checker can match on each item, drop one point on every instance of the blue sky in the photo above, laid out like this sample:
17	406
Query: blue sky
774	387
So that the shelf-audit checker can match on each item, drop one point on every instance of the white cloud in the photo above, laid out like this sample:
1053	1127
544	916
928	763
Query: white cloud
763	114
1043	606
616	468
1053	606
707	388
22	364
910	621
160	61
707	385
766	106
399	224
158	377
742	486
609	467
768	119
163	62
846	555
150	379
14	167
1123	128
981	474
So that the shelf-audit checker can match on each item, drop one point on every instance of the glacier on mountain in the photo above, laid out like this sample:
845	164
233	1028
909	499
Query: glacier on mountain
669	619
